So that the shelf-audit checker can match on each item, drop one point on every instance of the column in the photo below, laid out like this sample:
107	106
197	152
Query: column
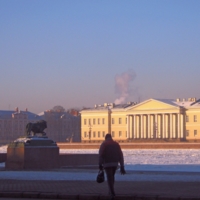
152	126
127	127
178	124
159	124
149	127
145	126
156	126
138	126
163	126
142	126
174	126
166	125
131	126
171	126
133	134
135	126
182	134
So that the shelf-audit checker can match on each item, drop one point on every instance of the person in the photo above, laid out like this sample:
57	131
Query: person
110	155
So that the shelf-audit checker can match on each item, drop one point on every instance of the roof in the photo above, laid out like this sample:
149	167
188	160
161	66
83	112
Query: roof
7	114
184	103
56	115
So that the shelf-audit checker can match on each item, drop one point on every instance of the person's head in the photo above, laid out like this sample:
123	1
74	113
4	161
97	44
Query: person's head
108	136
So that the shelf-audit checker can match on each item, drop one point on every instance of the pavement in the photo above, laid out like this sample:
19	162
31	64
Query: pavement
25	187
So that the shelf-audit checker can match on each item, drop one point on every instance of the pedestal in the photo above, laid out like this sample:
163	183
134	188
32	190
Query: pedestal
32	153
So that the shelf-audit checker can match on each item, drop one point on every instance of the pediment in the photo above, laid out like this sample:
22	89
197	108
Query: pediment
153	104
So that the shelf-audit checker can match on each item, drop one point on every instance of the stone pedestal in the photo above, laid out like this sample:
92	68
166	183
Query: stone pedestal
32	153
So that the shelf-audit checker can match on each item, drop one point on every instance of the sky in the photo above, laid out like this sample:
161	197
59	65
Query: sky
78	53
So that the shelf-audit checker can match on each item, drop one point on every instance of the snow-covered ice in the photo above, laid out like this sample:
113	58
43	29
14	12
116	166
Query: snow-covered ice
141	165
184	160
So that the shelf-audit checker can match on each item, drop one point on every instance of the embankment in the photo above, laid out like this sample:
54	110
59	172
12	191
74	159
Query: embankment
180	145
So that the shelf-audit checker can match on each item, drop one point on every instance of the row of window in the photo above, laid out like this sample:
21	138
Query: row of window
94	121
194	118
119	120
188	133
101	121
100	134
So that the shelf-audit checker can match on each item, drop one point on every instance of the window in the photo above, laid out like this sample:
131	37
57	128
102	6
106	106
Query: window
113	134
99	134
120	120
89	121
187	133
85	134
98	121
195	132
94	121
187	118
103	133
85	121
113	120
195	118
120	134
94	134
103	121
126	120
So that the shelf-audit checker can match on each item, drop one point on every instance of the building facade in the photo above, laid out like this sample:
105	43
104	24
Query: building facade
164	119
61	127
13	123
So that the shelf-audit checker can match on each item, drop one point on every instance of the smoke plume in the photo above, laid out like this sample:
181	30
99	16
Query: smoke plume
122	86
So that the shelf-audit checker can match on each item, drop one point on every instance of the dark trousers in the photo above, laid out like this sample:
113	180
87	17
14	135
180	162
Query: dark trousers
110	173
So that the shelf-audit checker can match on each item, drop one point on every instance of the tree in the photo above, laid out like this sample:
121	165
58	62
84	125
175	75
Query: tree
58	109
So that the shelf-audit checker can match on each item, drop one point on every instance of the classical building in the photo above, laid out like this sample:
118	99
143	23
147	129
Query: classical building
62	126
164	119
13	123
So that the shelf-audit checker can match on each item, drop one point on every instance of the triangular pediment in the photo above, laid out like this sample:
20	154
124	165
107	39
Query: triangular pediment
154	104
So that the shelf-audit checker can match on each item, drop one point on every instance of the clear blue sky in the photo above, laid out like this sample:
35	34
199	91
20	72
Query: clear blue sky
69	53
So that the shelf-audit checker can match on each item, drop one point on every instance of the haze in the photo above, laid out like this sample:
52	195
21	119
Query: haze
74	53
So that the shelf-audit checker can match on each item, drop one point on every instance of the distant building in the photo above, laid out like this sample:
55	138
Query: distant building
13	123
62	126
151	119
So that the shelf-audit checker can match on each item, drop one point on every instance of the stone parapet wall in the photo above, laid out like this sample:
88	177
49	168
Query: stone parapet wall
67	160
64	160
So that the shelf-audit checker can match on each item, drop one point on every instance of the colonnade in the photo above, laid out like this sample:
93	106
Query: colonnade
161	125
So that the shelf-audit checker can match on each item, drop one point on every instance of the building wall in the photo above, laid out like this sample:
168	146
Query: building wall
192	123
62	126
94	125
119	125
151	119
13	124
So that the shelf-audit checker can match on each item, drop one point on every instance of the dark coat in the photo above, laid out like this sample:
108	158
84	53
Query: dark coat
110	154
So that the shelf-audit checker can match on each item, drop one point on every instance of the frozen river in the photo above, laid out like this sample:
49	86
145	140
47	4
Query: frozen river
141	164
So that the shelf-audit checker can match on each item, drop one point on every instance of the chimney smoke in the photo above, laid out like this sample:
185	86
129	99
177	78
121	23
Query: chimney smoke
122	85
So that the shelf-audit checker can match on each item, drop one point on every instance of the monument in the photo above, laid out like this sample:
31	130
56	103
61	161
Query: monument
35	151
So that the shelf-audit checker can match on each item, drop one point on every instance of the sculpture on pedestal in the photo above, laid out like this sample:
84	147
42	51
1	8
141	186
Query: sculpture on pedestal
37	127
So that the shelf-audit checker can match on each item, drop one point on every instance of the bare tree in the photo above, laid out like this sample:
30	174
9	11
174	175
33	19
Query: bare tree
58	109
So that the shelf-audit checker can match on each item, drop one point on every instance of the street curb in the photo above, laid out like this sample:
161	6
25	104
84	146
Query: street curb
46	195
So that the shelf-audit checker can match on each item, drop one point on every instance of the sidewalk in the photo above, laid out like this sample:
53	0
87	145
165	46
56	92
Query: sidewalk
89	189
92	190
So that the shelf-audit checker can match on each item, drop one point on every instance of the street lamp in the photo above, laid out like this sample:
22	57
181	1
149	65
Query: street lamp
90	130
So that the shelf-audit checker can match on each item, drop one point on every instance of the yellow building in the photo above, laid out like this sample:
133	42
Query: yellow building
151	119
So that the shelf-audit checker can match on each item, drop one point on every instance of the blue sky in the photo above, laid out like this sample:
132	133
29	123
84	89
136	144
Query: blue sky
69	53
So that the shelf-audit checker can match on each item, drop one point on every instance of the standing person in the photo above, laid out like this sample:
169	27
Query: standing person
110	154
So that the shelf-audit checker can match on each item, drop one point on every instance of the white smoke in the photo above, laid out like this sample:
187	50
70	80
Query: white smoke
122	85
